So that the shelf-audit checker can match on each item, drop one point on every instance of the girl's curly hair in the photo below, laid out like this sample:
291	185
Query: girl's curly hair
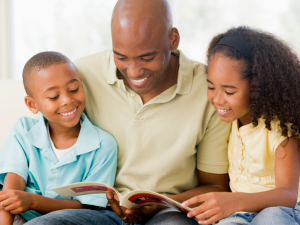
274	74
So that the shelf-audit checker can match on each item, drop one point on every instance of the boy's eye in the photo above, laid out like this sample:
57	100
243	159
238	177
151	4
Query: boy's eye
54	98
210	88
229	93
74	91
147	59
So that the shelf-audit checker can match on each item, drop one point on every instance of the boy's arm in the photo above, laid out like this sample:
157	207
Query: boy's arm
12	181
16	201
103	170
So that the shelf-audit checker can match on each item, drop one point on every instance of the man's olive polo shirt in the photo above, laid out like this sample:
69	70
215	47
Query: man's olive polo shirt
162	142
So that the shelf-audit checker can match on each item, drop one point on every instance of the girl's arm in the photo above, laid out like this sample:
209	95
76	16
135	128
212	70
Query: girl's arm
12	181
220	205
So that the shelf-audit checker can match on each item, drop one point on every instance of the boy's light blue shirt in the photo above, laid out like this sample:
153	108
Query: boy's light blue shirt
28	153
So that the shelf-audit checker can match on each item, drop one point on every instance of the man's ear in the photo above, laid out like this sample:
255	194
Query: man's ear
31	104
175	38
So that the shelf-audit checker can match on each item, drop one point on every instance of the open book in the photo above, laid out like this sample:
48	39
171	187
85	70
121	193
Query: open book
133	199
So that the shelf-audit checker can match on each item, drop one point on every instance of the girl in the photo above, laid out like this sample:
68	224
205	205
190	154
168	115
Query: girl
254	83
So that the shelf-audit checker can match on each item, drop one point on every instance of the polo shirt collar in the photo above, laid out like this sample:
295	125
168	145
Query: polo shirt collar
88	139
38	135
185	73
112	70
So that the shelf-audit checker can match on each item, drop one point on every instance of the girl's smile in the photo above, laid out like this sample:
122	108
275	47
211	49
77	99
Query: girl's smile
227	91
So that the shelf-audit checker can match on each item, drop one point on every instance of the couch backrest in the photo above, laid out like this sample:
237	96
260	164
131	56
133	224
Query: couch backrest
12	106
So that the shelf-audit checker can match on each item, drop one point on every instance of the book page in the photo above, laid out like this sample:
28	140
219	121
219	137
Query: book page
139	198
84	188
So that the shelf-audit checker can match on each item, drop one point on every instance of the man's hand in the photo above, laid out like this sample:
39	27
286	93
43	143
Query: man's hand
215	206
15	201
131	215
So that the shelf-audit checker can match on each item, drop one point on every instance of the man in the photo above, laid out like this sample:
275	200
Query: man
152	99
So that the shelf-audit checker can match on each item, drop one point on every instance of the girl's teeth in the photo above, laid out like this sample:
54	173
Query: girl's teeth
223	110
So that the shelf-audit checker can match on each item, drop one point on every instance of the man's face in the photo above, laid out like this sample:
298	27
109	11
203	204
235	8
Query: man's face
142	59
58	93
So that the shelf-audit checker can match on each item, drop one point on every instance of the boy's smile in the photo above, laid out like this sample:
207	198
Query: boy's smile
58	95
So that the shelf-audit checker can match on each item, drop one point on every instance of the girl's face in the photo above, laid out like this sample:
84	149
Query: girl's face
227	91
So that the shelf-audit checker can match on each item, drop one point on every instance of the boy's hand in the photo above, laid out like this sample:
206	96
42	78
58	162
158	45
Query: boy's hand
135	216
215	206
16	202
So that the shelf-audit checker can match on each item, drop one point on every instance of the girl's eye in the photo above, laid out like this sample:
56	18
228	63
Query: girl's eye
210	88
229	93
74	91
147	59
54	98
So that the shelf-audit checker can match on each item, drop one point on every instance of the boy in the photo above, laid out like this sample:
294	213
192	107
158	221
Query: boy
59	148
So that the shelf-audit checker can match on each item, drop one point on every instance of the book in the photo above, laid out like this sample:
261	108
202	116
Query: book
133	199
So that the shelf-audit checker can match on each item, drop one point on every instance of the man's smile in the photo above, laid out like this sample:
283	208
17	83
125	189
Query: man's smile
140	82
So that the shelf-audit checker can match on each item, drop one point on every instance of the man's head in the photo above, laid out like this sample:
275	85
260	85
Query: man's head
54	88
143	37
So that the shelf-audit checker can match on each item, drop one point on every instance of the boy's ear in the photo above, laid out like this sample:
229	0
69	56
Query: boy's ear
31	104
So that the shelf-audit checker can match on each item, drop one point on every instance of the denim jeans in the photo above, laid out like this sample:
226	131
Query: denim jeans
272	215
107	217
19	220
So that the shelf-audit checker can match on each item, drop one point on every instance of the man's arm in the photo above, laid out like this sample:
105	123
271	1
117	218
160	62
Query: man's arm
209	182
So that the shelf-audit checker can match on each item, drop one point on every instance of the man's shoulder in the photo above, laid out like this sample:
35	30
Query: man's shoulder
191	67
100	58
94	66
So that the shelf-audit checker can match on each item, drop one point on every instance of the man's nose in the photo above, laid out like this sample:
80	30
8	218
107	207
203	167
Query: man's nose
134	70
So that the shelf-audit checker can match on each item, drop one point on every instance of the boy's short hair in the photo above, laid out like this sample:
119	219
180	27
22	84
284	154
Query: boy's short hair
38	62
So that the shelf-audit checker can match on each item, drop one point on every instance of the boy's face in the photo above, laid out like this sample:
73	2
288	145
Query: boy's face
58	95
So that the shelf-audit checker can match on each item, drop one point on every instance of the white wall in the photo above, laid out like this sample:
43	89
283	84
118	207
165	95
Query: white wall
5	40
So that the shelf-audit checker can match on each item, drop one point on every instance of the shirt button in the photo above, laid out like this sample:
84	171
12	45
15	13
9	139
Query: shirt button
54	170
119	85
132	94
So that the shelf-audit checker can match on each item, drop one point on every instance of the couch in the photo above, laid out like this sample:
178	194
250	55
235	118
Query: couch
12	106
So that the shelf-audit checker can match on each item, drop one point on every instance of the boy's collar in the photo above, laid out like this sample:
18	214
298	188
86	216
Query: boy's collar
88	139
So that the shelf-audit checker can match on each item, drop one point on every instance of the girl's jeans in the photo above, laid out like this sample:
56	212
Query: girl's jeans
271	215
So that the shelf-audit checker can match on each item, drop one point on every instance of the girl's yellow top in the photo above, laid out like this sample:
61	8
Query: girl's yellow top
251	153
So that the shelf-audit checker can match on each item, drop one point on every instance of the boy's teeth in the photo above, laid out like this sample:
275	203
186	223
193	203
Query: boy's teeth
69	113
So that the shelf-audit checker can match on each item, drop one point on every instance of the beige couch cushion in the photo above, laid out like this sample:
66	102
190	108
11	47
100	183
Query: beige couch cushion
12	95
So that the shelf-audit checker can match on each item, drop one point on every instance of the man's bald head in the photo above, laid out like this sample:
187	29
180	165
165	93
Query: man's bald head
143	37
142	17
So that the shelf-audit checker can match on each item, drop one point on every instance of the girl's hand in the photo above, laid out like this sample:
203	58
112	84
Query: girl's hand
15	201
215	206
